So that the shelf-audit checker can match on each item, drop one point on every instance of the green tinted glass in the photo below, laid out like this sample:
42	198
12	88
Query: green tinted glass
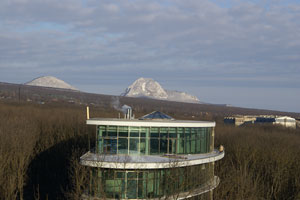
123	131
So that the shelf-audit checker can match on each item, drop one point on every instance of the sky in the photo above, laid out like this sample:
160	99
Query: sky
240	52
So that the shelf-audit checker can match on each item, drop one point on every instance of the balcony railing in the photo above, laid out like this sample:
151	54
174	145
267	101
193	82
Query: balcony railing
147	161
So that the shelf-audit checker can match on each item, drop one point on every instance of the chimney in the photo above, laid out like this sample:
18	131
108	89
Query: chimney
127	110
128	114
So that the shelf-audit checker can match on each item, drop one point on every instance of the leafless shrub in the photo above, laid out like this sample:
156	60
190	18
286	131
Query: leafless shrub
261	162
40	147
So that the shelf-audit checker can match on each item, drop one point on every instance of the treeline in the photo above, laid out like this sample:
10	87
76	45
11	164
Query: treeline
36	147
261	162
40	146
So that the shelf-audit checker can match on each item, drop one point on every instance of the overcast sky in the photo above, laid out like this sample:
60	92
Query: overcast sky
240	52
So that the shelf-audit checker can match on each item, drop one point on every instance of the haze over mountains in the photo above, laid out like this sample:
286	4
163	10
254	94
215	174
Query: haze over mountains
148	88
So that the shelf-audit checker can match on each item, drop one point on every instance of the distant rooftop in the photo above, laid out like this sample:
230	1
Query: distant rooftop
156	115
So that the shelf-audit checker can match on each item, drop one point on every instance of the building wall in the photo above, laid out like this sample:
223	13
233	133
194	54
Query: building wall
298	123
242	120
286	121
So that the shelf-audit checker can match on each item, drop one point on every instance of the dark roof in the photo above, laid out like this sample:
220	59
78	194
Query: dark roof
156	115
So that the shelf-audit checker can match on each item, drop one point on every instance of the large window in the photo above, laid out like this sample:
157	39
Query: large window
153	140
142	184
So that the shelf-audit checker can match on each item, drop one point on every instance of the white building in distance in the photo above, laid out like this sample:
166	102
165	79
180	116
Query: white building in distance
238	120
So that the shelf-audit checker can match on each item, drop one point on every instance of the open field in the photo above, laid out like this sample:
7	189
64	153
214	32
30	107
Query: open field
40	148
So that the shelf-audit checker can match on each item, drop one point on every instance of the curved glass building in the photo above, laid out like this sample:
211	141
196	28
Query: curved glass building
154	157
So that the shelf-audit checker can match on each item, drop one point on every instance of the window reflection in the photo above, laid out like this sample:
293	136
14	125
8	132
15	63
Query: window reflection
142	184
157	140
134	146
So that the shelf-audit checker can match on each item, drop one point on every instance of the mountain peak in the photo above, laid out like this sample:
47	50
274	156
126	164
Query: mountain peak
147	87
50	81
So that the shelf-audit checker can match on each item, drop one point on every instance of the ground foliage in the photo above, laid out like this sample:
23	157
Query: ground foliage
40	148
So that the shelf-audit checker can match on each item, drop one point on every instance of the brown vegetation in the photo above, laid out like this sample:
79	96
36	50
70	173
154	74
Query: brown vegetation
261	162
35	146
40	147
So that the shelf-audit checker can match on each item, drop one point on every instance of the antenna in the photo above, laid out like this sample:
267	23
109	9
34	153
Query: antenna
87	112
19	94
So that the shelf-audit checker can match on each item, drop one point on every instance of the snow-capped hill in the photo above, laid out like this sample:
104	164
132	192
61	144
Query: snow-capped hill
50	81
182	97
147	87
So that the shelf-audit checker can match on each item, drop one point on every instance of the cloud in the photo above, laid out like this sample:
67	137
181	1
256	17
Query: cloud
167	40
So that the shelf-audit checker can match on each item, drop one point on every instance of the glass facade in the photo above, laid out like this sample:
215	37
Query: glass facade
153	140
143	184
184	180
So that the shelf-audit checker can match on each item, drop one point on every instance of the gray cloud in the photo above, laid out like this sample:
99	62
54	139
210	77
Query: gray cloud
188	42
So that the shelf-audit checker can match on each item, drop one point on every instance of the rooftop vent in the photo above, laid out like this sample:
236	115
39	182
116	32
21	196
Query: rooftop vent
127	110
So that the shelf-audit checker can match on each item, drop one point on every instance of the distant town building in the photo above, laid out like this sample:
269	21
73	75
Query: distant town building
286	121
298	122
238	120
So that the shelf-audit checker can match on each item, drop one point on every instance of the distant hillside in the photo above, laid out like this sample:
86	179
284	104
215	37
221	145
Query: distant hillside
50	81
179	110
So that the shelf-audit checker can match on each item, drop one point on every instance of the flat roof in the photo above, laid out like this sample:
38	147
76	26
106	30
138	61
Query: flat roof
149	123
